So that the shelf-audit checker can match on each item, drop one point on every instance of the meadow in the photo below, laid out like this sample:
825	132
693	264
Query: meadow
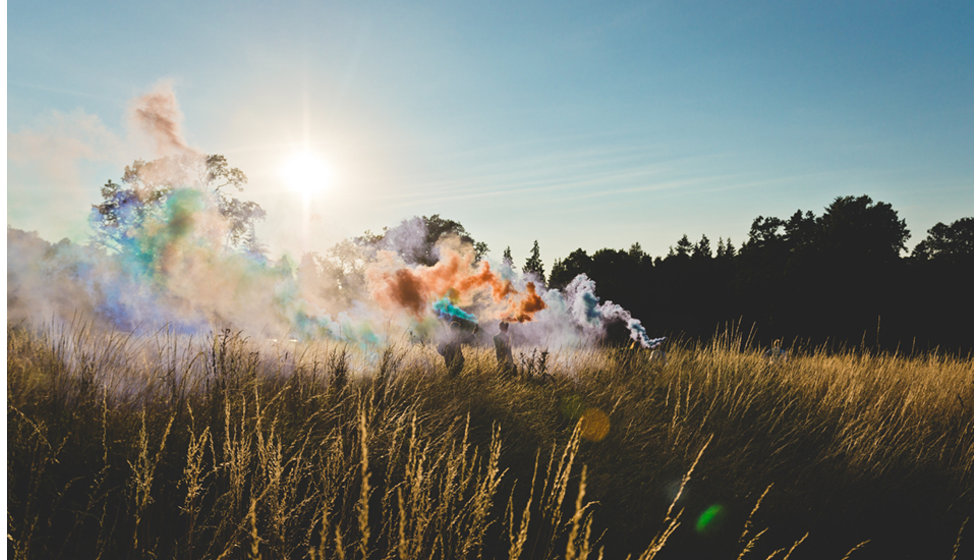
169	446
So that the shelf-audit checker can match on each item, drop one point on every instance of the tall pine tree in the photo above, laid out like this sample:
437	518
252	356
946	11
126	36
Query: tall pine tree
533	264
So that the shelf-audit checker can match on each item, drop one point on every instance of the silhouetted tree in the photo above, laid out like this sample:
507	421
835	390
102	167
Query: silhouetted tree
855	229
436	228
146	187
415	239
838	277
533	264
639	256
725	250
684	248
508	258
802	234
939	286
564	270
703	249
952	243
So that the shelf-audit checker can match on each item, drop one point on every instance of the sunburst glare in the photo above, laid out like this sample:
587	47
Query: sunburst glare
307	173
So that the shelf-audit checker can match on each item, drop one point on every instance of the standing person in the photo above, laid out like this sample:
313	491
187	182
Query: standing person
775	353
452	349
505	358
658	350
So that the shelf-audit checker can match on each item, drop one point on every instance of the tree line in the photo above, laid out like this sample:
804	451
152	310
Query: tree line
838	278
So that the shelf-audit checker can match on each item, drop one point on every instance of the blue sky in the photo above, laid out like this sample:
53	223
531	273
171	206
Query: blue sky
579	124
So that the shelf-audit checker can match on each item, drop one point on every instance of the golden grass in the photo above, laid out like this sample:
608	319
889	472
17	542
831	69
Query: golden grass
170	446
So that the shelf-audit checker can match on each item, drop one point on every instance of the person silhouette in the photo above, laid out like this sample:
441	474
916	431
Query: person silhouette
452	348
505	358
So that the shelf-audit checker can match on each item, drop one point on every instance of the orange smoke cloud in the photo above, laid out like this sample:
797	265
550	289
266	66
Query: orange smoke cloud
499	287
412	289
404	289
445	274
524	310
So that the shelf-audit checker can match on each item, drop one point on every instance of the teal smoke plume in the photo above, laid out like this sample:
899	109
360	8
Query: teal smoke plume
446	310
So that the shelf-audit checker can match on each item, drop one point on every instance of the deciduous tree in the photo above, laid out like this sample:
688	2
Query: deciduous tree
145	188
952	243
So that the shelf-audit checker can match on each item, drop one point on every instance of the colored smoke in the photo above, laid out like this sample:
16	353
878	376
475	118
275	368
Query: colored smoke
524	310
158	115
178	272
409	287
594	317
446	310
404	289
171	264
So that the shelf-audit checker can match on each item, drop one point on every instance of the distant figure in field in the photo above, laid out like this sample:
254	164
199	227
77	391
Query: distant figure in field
775	353
452	349
505	358
657	348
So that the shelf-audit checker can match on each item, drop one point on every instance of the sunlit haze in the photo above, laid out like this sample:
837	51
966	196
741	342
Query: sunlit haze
577	124
370	279
306	173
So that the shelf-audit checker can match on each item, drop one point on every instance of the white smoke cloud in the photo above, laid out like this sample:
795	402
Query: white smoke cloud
176	269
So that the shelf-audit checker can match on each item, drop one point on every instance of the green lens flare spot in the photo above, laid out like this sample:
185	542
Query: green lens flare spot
709	519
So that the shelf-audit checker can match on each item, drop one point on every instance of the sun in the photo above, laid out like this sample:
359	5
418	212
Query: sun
306	173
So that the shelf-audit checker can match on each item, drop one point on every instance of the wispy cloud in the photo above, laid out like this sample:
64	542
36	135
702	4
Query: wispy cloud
13	84
569	173
54	148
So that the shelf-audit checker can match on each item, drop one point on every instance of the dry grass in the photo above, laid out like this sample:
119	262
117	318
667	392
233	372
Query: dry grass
167	446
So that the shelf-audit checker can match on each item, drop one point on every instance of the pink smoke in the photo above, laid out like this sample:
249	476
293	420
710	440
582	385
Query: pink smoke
158	115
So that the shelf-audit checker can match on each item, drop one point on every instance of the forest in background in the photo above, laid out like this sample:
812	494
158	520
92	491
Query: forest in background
837	278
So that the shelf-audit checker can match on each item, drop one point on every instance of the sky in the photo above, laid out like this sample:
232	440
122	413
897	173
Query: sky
577	124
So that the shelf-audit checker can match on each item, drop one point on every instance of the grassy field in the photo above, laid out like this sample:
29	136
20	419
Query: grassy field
224	447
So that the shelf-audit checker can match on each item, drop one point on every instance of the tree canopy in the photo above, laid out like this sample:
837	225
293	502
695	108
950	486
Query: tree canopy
145	188
415	239
948	243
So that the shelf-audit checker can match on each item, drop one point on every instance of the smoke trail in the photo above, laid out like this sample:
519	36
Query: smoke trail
158	115
594	318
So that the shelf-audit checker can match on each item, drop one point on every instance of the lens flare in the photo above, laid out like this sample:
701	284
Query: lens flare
595	424
710	519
